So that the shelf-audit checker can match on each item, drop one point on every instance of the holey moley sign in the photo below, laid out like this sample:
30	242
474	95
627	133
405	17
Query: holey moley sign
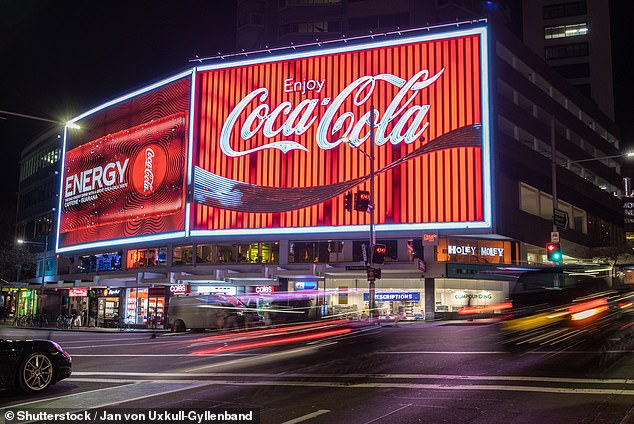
256	146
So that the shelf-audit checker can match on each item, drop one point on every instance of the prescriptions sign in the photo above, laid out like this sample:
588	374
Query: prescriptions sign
270	154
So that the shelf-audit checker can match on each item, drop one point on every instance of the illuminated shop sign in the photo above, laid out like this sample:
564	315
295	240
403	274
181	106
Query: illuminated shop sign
269	154
216	290
179	289
78	291
112	292
393	296
305	285
475	251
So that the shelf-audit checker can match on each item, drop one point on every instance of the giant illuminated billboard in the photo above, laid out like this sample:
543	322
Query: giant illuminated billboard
272	144
123	175
269	155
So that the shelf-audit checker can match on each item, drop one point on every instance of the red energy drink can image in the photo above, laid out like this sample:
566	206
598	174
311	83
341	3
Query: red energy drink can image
124	184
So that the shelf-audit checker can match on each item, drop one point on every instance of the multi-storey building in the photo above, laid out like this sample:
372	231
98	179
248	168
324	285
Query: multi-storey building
232	216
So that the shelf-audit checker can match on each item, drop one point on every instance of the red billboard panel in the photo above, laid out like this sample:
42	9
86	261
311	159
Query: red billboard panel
124	172
279	141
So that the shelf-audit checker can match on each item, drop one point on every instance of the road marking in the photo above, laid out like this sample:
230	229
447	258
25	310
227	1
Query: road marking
115	395
390	385
389	413
627	381
307	416
258	358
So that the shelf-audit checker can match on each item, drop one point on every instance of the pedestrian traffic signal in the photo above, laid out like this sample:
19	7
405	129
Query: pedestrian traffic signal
378	253
377	273
553	251
347	201
362	201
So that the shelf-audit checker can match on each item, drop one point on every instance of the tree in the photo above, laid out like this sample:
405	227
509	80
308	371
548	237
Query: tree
16	262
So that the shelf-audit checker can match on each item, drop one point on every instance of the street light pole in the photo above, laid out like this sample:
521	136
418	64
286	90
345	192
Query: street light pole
371	277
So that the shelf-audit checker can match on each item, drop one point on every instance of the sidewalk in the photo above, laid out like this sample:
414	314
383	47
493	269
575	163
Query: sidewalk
8	325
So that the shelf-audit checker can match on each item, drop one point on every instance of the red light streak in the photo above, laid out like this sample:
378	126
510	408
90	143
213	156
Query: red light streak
488	308
587	305
280	341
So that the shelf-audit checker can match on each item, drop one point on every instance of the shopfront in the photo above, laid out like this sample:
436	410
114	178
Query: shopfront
17	301
77	305
105	307
471	274
402	296
145	307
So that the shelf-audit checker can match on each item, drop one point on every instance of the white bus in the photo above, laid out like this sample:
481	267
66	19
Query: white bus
213	311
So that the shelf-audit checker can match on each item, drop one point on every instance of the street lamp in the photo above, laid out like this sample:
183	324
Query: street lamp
553	159
370	261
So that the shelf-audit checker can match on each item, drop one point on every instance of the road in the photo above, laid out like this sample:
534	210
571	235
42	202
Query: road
440	372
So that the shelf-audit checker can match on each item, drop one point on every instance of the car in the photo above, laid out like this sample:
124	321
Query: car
31	366
562	307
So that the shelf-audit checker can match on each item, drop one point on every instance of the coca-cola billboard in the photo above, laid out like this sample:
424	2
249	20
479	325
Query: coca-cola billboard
270	155
256	146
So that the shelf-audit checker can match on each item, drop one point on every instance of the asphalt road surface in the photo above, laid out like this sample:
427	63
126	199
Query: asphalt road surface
346	372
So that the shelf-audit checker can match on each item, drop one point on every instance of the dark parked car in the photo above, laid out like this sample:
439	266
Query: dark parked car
32	365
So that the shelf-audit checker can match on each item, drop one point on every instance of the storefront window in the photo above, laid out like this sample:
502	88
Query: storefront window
183	255
151	257
100	262
390	255
453	294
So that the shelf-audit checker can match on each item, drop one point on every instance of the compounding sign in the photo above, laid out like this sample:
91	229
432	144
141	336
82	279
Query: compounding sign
272	144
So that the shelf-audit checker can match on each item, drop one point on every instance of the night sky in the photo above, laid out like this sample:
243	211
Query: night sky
61	58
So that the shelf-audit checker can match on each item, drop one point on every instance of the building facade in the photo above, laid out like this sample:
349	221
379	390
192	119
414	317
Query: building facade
232	178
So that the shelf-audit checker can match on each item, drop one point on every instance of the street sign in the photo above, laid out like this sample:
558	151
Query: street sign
554	237
560	218
422	266
356	267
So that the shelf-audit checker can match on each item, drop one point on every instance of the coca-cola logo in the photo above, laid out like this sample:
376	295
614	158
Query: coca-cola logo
403	120
149	169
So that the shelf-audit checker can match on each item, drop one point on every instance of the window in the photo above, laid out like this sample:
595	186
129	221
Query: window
579	220
566	9
529	199
310	27
390	255
566	50
183	255
151	257
565	31
576	70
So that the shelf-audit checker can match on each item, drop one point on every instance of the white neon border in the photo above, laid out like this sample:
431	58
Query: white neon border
486	146
128	240
486	223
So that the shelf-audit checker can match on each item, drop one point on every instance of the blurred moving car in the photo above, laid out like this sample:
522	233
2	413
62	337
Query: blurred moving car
562	307
214	311
32	365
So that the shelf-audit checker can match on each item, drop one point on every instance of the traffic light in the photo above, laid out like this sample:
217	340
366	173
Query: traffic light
378	253
553	251
362	201
377	273
347	201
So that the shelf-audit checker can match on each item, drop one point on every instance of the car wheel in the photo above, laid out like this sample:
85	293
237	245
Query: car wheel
178	326
35	373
